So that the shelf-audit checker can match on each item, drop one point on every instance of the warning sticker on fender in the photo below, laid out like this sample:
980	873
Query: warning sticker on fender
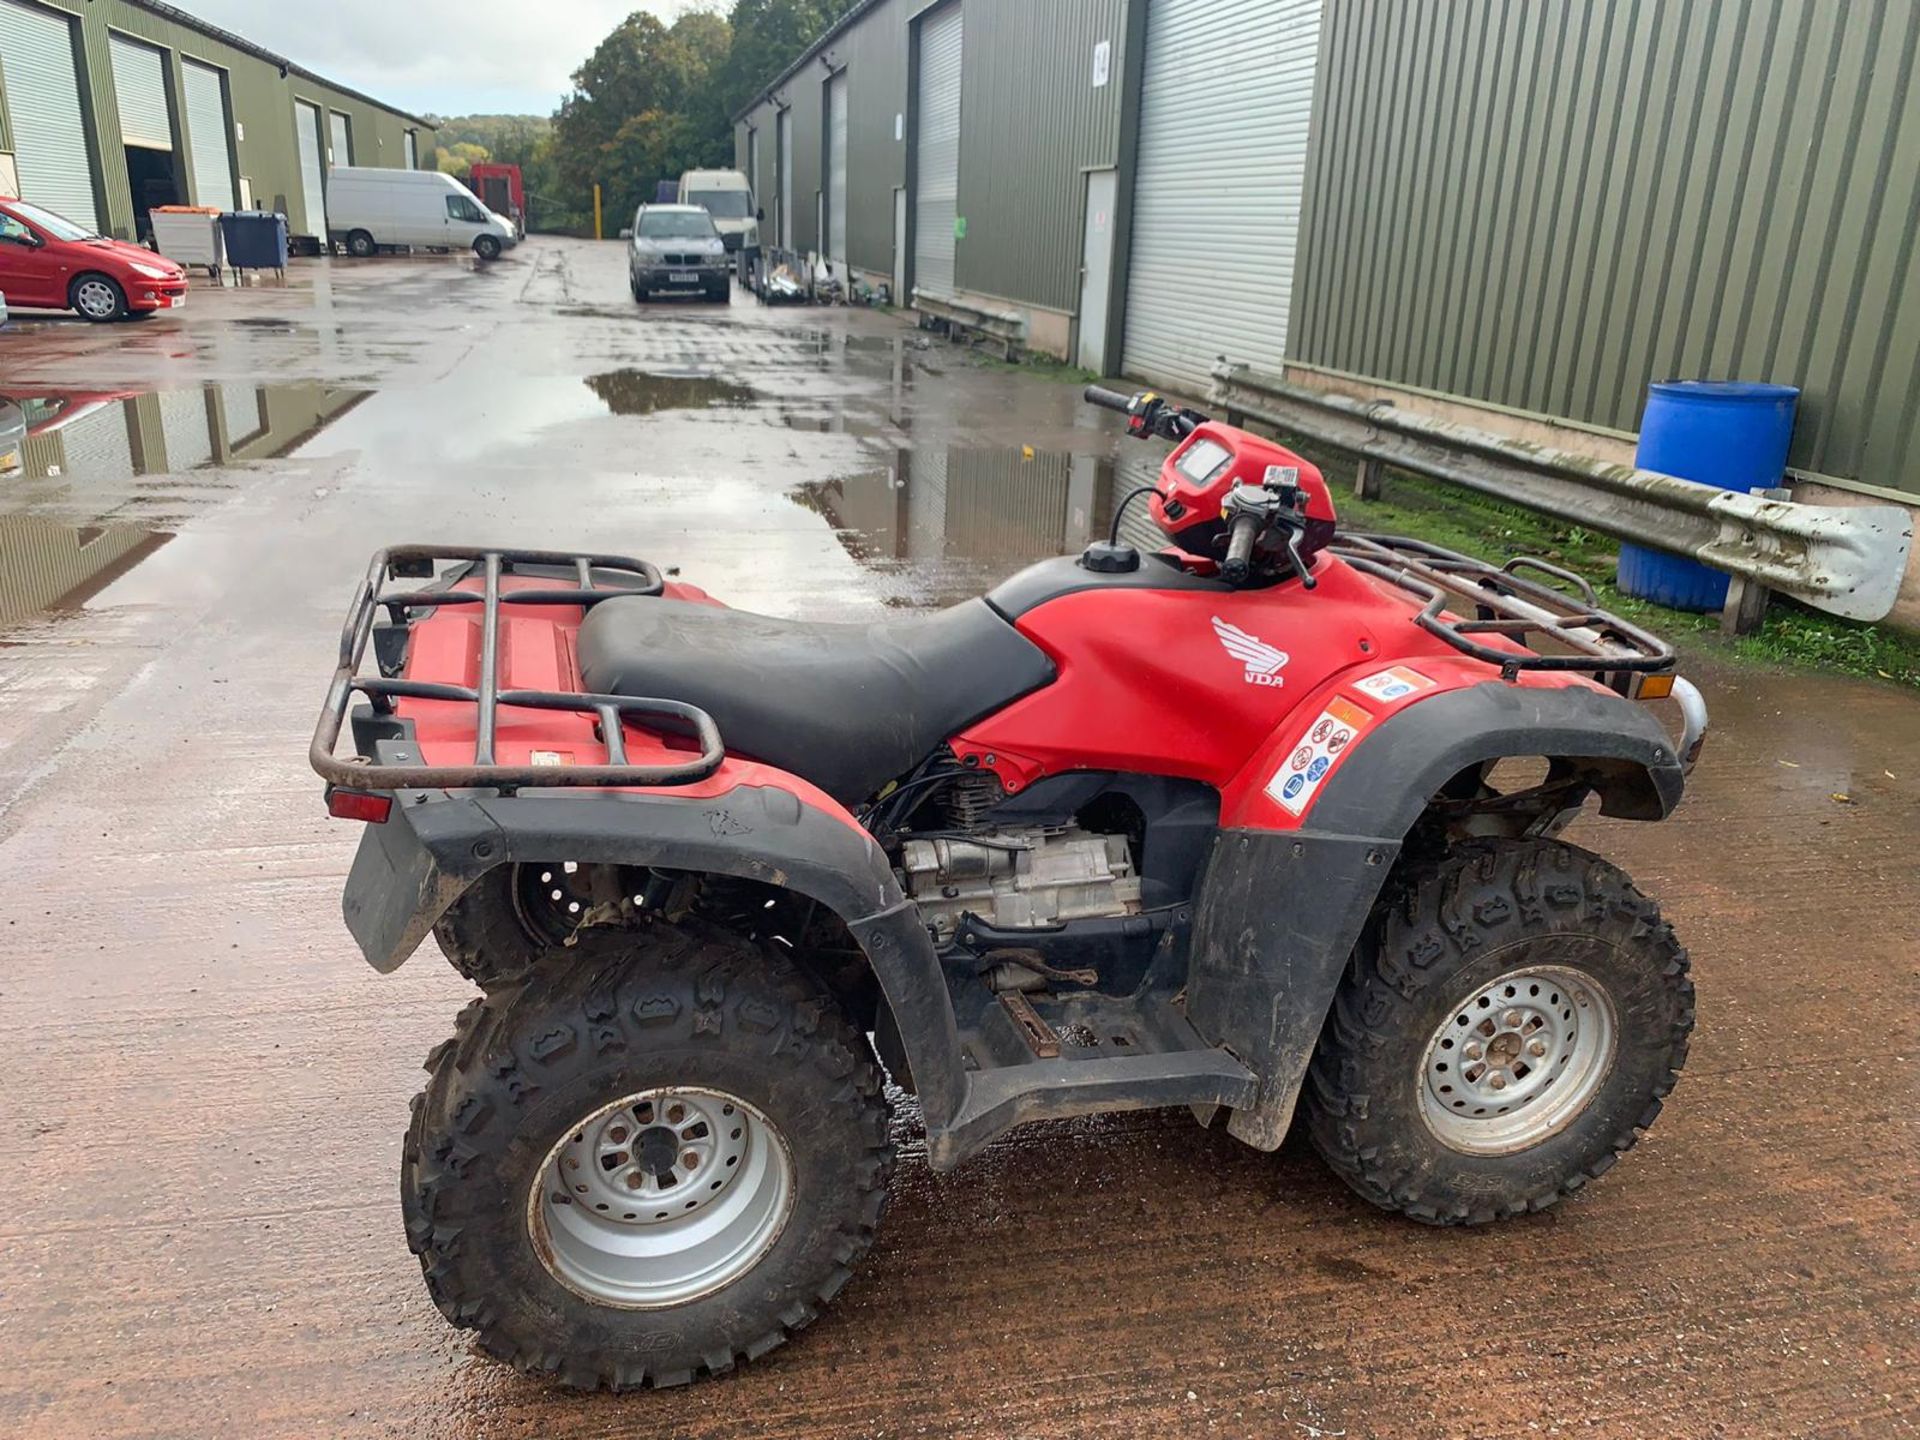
1393	684
1299	776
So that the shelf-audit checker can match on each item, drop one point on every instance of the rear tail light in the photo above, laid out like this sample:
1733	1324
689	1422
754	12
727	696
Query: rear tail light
358	805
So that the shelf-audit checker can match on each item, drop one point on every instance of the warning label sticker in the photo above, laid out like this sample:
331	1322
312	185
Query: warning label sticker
1300	774
1394	683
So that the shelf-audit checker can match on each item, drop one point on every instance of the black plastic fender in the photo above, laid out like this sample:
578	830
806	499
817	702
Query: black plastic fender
1279	911
410	869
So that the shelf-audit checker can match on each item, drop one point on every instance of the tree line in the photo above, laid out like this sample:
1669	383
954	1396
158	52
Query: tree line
651	101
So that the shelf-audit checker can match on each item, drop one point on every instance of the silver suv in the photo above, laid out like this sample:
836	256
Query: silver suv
676	247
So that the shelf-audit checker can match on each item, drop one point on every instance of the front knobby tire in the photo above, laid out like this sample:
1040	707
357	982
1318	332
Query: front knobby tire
692	1040
1508	1026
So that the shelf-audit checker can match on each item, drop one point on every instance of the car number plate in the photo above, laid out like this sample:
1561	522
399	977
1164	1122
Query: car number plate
684	277
176	301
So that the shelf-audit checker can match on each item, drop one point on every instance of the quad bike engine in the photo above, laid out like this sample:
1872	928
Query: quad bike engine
1021	879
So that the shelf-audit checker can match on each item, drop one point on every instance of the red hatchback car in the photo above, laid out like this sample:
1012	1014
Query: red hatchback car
51	262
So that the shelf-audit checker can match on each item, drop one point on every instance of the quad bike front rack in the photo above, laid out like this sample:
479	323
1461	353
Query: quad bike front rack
595	577
1510	605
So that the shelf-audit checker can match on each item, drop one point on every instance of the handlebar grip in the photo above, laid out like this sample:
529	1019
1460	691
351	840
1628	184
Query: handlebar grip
1108	399
1239	562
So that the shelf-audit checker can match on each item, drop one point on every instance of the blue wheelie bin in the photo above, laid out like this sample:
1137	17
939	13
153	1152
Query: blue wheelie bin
1729	433
256	240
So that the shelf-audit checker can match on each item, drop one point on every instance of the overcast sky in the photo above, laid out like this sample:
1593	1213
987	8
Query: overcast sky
475	57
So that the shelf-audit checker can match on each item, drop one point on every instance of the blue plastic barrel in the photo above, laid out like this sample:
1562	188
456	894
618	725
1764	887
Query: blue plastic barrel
1729	433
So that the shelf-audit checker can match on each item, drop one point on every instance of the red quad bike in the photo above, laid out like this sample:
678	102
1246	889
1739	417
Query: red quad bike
1264	822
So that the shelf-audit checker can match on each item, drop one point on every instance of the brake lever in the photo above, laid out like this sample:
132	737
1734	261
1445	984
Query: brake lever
1299	561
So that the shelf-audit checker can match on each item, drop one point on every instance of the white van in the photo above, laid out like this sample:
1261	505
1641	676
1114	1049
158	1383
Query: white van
369	207
728	198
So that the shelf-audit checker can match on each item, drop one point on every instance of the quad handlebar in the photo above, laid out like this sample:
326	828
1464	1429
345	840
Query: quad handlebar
1148	415
1252	511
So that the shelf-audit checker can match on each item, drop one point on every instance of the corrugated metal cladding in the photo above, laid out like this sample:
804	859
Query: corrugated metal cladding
874	52
936	142
1031	121
140	87
1217	184
258	92
43	103
1547	203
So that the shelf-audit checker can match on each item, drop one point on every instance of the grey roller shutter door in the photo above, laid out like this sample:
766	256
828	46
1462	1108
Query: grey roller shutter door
340	138
43	102
784	123
837	168
209	137
140	88
184	423
1216	206
312	177
937	152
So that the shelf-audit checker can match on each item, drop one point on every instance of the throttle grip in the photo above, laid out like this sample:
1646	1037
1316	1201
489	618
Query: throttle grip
1239	562
1108	399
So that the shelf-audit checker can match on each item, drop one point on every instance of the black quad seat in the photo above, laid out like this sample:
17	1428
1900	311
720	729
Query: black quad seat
845	706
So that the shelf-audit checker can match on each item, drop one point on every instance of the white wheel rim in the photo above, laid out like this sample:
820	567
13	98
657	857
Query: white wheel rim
95	297
662	1197
1518	1060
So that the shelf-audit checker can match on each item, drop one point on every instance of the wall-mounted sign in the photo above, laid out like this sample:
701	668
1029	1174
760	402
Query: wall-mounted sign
899	125
1102	63
959	227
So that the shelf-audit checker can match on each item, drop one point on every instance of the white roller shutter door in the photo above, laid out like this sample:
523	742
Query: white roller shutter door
241	404
209	137
936	198
413	151
342	141
184	423
1225	100
43	102
306	122
99	446
140	88
837	168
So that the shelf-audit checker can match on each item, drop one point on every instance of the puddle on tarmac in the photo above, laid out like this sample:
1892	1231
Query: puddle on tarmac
644	392
78	506
951	522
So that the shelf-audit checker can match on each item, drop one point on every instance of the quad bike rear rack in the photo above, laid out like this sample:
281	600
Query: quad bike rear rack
597	578
1508	604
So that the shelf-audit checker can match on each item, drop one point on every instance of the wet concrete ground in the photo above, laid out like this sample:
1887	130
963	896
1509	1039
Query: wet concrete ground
205	1086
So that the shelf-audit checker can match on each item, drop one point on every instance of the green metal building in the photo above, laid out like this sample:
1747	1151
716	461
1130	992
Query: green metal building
110	107
1533	207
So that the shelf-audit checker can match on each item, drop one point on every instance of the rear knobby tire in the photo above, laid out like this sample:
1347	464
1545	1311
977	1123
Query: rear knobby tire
529	1066
485	935
1487	911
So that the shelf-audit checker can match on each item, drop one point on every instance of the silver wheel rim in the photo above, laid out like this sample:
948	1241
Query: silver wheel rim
1518	1060
95	297
660	1198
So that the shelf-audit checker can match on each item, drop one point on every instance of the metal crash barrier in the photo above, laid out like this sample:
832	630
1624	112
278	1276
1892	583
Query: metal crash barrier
1846	560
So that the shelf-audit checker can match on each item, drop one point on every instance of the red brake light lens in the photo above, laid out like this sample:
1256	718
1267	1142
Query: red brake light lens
359	805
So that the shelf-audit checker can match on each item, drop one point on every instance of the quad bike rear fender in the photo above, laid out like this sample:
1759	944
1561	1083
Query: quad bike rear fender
411	868
1280	911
